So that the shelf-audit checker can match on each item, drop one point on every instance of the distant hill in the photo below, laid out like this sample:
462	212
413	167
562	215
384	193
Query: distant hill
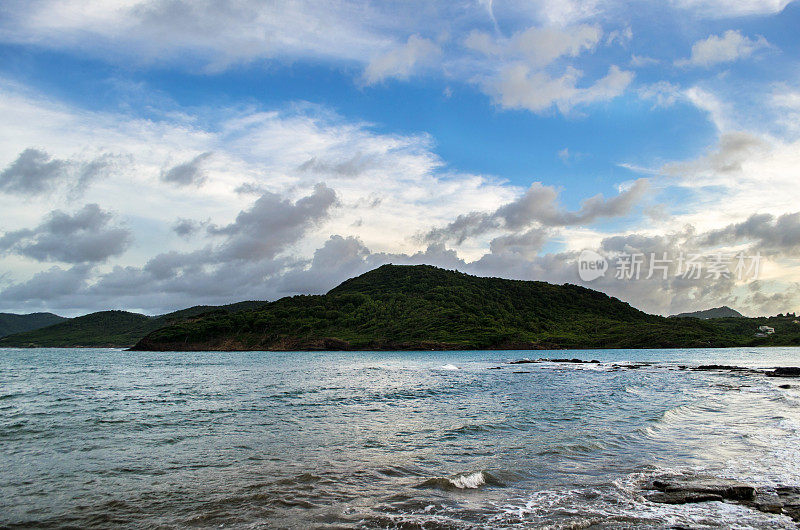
12	323
717	312
109	328
423	307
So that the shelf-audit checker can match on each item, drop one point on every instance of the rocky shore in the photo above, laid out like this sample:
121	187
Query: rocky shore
684	489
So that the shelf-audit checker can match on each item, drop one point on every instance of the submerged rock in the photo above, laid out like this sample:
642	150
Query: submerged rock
543	360
721	367
784	371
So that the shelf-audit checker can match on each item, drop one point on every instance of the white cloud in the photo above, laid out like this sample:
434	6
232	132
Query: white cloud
732	8
541	46
396	186
401	61
729	47
395	189
785	103
520	75
518	86
537	46
213	34
642	61
663	93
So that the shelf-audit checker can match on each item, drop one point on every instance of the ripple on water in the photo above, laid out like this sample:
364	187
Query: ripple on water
354	440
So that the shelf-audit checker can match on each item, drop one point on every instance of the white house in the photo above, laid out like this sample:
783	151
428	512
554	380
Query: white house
766	330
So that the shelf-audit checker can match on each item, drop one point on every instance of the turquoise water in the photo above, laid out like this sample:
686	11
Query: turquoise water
102	437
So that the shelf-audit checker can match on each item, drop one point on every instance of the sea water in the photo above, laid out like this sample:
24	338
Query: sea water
104	437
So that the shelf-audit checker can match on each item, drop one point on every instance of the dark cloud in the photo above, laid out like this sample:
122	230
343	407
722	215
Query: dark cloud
243	264
247	259
83	237
250	188
539	205
35	172
734	149
48	286
773	303
272	223
32	173
765	232
527	243
188	173
186	228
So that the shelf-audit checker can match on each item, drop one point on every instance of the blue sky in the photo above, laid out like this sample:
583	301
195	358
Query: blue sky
165	153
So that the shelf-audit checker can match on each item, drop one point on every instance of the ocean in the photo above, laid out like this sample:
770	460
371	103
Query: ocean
104	437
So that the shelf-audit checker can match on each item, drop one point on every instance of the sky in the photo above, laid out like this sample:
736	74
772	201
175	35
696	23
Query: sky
160	154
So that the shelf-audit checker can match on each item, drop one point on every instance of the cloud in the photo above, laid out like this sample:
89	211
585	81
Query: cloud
663	93
733	150
83	237
527	244
765	232
538	205
520	87
210	34
520	77
35	172
262	147
49	285
729	47
401	61
785	103
271	223
352	166
541	46
727	8
245	264
642	61
186	228
187	173
31	173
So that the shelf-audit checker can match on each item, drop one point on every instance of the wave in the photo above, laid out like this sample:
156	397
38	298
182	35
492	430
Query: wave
462	481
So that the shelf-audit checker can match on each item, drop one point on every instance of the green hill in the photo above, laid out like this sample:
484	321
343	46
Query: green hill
109	328
11	323
716	312
424	307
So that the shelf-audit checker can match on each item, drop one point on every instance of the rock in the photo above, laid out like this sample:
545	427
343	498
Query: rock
703	485
784	386
768	502
635	366
683	489
784	371
495	368
790	497
721	367
543	360
683	497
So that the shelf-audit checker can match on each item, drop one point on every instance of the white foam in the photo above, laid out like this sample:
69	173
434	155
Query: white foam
625	507
470	481
449	367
